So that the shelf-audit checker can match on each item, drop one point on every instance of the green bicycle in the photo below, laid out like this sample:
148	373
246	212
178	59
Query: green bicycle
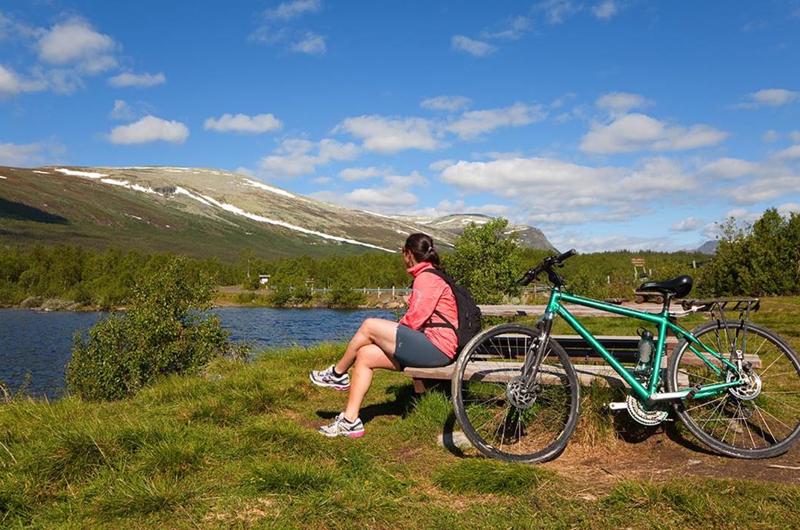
733	384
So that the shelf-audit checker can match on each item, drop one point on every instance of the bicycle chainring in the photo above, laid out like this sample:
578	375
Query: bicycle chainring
644	416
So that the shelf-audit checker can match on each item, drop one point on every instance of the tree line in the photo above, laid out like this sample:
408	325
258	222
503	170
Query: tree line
758	259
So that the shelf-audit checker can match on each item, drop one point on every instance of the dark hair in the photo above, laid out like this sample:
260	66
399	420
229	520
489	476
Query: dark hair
421	247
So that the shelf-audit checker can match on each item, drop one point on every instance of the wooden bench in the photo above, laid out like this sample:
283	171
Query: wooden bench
592	369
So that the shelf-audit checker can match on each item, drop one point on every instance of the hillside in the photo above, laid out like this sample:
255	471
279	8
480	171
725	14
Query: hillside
709	247
198	212
454	224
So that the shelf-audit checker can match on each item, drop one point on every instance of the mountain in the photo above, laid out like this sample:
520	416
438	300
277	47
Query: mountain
454	224
198	212
709	247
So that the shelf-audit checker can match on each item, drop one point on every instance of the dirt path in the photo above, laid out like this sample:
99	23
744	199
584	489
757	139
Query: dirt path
663	456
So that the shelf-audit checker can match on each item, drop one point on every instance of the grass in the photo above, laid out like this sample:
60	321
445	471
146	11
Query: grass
237	447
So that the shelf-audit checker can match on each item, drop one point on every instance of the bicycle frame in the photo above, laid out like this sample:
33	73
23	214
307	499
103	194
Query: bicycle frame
664	323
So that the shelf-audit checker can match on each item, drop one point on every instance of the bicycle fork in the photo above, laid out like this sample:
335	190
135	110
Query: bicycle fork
533	359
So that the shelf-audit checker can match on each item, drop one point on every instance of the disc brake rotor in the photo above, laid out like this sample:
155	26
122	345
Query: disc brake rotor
519	394
749	390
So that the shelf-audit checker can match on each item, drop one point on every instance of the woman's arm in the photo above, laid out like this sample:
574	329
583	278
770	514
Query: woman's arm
425	294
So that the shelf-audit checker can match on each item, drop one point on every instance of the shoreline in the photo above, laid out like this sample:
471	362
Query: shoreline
74	307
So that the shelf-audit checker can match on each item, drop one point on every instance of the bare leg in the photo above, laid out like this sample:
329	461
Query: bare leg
368	358
377	331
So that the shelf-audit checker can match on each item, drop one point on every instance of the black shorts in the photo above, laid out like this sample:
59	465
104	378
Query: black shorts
414	349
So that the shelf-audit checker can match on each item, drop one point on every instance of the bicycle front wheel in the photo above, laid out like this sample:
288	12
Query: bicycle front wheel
502	414
758	419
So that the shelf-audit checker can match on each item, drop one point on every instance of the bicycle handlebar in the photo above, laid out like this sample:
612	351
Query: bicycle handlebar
547	266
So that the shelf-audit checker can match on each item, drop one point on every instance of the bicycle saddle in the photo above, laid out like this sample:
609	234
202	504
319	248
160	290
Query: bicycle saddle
676	287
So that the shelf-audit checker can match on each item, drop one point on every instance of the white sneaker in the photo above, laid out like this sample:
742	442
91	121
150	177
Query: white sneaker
327	378
342	427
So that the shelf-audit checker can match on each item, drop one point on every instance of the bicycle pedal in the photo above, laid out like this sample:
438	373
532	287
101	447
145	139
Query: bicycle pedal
617	405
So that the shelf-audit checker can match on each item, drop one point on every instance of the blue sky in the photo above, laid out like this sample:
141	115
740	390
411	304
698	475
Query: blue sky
607	123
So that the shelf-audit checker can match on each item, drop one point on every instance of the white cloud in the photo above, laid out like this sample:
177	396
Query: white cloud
621	102
9	82
772	184
12	84
546	187
473	123
291	10
440	164
789	208
390	135
770	97
352	174
242	123
295	156
687	225
770	136
728	168
556	11
75	42
150	129
448	103
143	80
322	180
606	9
121	111
380	198
392	196
638	132
19	154
277	27
476	48
795	136
512	29
790	153
311	44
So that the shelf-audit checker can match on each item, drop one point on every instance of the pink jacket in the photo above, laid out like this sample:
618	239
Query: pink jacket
430	292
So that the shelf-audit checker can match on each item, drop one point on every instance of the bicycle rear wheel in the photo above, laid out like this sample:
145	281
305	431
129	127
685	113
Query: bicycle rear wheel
502	416
759	419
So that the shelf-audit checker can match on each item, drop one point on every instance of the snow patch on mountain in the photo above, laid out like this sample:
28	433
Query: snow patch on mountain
270	189
87	174
261	219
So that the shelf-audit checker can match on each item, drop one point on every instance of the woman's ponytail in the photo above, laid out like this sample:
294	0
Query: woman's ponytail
421	247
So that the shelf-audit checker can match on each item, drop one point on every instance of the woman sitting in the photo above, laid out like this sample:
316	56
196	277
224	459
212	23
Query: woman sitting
422	338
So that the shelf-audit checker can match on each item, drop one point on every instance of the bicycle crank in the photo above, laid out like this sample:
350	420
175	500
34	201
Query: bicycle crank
638	412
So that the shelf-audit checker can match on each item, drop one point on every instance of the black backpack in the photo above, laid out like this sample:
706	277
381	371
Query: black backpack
469	314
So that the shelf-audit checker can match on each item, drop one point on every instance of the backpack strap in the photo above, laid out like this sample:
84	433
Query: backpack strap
446	323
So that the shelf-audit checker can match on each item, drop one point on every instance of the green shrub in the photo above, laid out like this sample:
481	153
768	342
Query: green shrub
486	261
344	296
762	259
165	331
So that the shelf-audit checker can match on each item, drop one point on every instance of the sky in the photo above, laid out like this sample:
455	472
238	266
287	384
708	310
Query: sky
609	124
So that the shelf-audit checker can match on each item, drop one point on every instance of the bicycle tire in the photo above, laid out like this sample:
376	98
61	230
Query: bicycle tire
523	446
755	425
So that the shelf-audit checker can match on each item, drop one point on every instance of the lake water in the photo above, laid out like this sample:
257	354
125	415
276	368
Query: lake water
39	344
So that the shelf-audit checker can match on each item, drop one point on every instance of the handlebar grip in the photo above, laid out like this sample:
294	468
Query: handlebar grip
566	255
528	277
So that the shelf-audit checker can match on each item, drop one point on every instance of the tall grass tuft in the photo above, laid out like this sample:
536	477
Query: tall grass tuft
292	477
142	495
490	476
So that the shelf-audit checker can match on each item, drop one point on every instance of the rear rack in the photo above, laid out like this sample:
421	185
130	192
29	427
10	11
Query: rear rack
718	306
